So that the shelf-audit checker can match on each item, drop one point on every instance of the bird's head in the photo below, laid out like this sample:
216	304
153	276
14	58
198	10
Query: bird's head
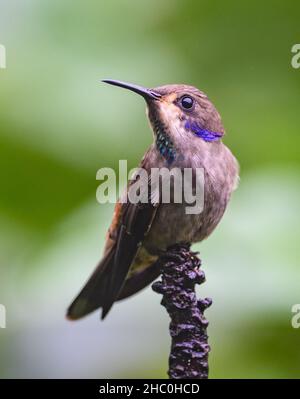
178	114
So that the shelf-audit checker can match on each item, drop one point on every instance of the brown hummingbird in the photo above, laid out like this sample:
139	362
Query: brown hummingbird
187	131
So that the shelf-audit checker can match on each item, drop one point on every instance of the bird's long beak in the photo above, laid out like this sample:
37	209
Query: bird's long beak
148	94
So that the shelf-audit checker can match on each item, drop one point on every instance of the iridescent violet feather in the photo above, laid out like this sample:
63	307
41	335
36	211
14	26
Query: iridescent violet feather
206	135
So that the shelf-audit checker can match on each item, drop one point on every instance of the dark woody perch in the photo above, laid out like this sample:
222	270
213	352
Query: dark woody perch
180	272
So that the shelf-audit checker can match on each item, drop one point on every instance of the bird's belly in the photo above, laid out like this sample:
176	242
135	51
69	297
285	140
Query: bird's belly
172	225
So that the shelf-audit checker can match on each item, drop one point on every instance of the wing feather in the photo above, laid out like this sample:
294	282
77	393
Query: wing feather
130	224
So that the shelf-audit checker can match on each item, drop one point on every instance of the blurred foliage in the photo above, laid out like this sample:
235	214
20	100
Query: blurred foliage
59	125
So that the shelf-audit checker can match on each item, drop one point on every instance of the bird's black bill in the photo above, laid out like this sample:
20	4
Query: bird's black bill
143	91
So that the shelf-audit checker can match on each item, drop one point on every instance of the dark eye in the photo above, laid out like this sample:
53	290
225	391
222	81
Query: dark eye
187	102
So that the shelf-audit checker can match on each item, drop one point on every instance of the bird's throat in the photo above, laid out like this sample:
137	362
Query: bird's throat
163	142
165	146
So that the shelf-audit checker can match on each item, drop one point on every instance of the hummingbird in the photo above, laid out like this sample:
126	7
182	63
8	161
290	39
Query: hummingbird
187	133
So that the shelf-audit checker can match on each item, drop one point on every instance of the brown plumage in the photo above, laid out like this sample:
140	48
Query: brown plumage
187	134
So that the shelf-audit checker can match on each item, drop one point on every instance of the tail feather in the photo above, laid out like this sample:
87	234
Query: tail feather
92	296
105	284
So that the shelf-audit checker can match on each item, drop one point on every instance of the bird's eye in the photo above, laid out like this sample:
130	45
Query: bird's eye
187	102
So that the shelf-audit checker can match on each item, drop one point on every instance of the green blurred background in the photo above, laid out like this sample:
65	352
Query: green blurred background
59	125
